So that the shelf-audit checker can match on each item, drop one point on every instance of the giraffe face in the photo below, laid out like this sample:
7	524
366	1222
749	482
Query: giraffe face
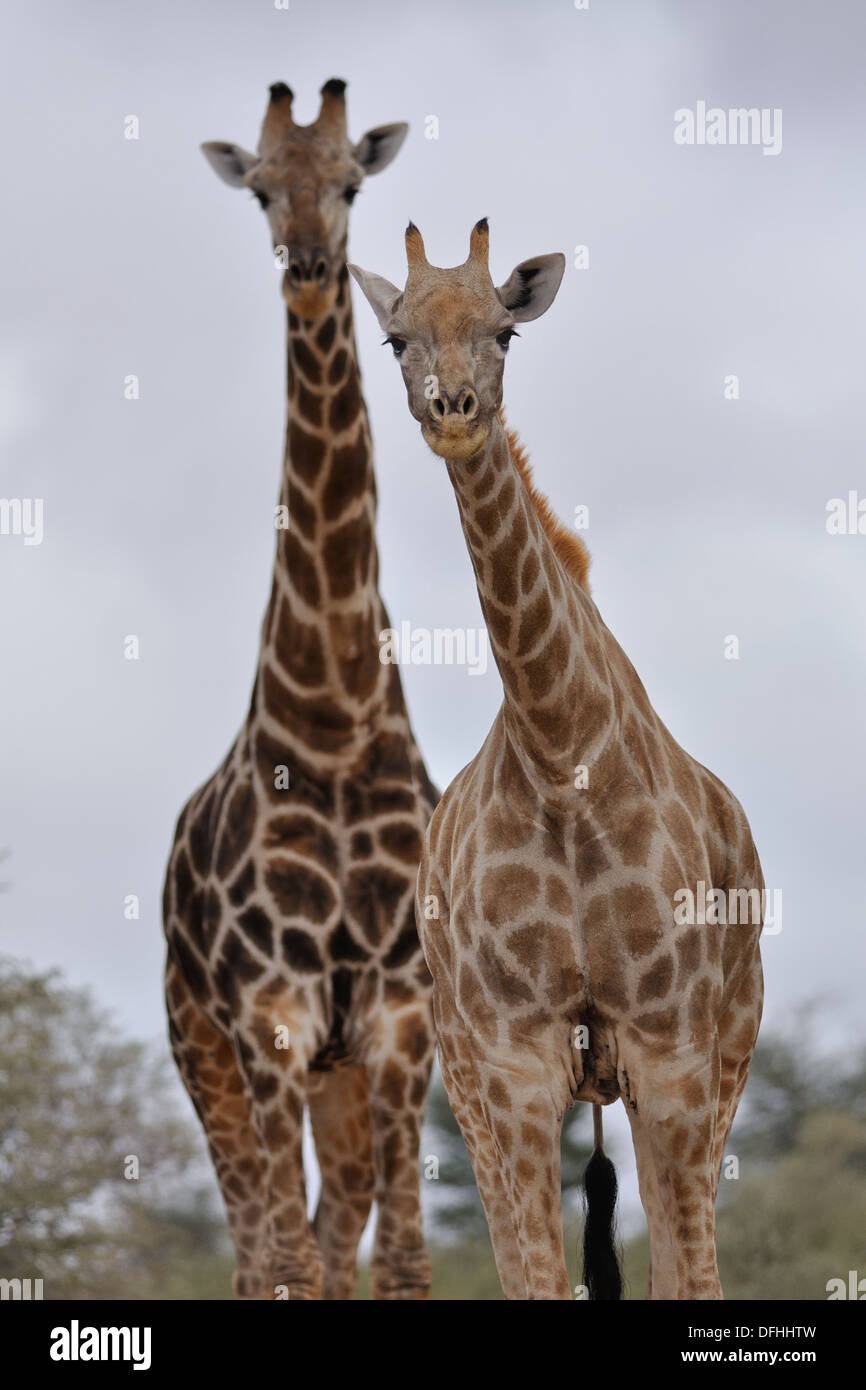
450	331
451	341
306	191
306	179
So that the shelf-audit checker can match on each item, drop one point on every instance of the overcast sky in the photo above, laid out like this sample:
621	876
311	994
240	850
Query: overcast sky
707	515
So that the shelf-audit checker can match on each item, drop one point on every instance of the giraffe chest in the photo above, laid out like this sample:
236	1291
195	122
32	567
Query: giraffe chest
312	871
554	915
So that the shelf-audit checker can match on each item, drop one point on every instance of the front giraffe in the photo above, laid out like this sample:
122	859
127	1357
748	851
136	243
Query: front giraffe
294	971
560	969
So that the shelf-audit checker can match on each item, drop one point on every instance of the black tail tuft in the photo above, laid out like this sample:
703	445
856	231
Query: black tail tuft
601	1272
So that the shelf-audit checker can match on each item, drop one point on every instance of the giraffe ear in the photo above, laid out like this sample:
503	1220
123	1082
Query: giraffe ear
231	162
531	287
375	150
381	295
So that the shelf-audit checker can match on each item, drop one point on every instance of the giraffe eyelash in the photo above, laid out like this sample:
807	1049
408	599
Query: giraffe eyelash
397	344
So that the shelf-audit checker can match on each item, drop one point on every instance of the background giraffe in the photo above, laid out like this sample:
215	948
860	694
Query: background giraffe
294	970
547	905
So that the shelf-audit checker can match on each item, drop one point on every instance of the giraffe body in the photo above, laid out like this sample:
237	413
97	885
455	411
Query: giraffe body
546	900
294	974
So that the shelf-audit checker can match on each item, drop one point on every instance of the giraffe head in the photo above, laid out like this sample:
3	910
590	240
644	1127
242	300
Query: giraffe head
450	331
306	178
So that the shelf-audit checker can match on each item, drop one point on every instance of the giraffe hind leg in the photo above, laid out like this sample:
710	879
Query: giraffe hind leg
738	1030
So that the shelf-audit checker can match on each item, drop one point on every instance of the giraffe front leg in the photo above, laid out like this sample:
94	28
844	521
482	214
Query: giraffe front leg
672	1111
651	1199
206	1061
509	1121
340	1118
398	1056
486	1166
526	1132
460	1077
275	1081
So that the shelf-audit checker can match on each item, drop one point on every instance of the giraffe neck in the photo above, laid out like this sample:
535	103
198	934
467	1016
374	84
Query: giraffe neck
544	628
319	674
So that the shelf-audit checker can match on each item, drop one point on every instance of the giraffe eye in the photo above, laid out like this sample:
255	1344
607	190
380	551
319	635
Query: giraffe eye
398	344
351	194
504	338
261	198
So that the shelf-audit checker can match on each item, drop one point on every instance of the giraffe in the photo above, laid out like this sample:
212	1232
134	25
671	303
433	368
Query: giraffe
295	979
551	898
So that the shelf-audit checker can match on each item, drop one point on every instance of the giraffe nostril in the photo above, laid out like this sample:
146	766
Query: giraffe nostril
439	406
295	272
469	404
321	270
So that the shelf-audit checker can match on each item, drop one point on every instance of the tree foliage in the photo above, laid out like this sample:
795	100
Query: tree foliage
80	1107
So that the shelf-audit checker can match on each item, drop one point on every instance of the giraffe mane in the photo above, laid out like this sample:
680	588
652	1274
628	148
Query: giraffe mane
569	549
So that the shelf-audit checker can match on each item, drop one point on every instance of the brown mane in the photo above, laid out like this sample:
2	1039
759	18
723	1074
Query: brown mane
569	548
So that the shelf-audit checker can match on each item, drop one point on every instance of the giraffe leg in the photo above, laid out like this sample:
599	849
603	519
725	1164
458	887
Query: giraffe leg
486	1167
738	1029
651	1199
526	1134
672	1111
509	1120
398	1056
340	1117
206	1061
461	1086
735	1072
733	1080
276	1084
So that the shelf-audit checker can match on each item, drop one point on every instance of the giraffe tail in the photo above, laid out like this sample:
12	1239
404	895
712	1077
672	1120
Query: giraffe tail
602	1276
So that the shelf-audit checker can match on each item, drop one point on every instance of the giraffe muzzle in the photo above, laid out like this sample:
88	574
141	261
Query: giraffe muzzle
455	437
453	426
309	266
309	288
457	408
